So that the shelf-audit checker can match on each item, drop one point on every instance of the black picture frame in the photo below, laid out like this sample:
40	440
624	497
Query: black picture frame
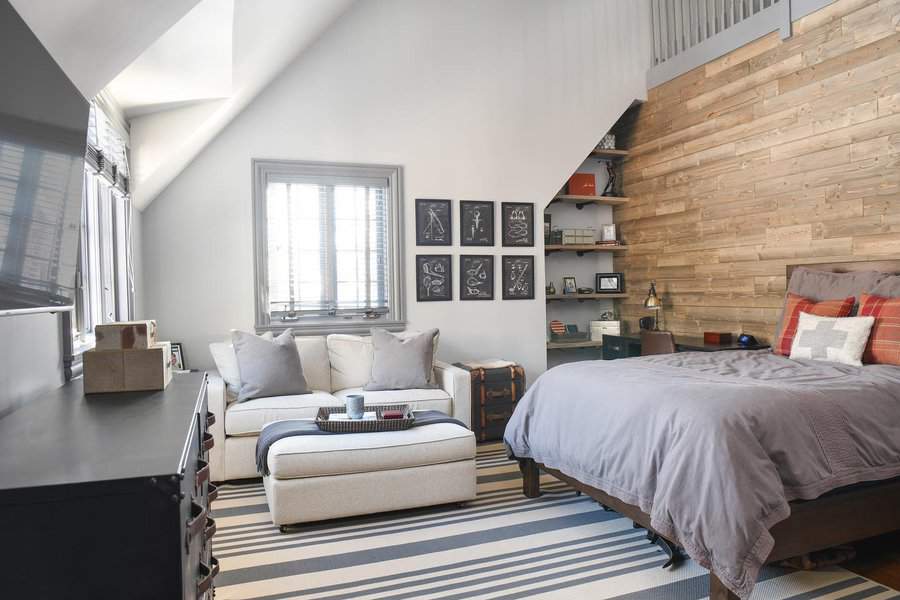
434	277
518	277
476	277
517	224
620	283
476	223
434	222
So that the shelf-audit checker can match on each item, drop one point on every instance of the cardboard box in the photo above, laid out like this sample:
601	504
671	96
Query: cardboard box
582	184
127	370
125	335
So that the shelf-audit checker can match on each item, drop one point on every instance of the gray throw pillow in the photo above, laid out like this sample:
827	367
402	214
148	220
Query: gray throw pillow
268	368
401	363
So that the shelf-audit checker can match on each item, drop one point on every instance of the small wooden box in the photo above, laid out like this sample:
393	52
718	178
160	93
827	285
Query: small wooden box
125	335
127	370
715	337
582	184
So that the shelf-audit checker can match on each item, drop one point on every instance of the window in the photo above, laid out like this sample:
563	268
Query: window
104	282
327	246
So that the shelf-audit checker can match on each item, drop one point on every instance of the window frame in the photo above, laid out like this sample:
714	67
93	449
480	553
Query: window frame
262	171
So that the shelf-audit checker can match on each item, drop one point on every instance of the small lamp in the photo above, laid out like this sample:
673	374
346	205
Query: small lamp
653	302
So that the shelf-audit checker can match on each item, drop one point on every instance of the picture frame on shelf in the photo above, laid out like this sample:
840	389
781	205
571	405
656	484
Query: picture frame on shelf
434	277
608	233
569	285
434	222
476	223
517	224
476	277
518	277
609	283
177	359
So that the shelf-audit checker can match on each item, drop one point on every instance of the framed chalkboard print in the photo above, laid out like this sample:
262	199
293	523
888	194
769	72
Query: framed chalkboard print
518	277
609	283
476	223
434	277
518	223
433	223
476	277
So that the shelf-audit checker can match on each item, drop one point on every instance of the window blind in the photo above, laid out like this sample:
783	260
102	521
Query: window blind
327	246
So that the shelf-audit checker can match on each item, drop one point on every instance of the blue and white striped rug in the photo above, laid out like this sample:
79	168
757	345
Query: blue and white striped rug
500	546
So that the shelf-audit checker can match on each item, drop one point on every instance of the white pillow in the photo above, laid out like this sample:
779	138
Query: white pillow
841	339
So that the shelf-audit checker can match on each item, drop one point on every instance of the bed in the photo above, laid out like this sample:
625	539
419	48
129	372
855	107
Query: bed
741	458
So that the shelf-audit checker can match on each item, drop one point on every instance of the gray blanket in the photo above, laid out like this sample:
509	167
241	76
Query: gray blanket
279	430
714	445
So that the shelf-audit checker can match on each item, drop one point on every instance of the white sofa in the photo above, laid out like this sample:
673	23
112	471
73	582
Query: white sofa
334	366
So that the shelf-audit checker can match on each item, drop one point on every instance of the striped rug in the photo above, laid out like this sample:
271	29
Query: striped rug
500	546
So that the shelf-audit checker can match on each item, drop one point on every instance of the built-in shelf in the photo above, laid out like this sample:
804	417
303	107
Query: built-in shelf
582	201
583	297
570	345
582	248
609	153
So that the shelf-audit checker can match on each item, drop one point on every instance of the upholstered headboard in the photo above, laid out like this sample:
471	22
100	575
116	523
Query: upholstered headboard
882	266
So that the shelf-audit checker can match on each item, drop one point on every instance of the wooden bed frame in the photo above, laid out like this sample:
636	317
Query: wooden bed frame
838	517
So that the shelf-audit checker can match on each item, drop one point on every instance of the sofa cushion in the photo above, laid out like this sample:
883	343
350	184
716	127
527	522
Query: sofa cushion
248	418
227	365
428	399
268	368
323	455
402	363
313	358
351	360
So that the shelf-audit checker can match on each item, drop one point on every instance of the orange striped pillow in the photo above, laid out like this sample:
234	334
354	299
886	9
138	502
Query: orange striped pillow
794	305
884	341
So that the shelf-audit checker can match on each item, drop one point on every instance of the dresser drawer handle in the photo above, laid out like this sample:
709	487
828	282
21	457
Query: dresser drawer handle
210	529
202	473
195	524
206	575
615	348
210	419
208	442
212	492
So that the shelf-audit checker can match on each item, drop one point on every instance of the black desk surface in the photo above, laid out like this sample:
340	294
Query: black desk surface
696	344
64	437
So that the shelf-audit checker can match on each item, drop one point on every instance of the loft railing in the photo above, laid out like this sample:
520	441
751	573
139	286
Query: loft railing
688	33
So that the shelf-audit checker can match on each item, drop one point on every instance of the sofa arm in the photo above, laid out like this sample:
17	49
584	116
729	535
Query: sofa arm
458	383
216	403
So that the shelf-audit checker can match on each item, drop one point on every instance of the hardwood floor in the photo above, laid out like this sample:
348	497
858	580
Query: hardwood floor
878	559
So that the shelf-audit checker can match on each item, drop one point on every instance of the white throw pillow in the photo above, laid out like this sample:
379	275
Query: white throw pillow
832	339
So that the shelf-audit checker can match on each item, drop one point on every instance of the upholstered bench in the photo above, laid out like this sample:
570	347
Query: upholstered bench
317	477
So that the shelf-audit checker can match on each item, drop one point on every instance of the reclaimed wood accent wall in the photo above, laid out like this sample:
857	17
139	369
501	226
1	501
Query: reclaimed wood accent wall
781	152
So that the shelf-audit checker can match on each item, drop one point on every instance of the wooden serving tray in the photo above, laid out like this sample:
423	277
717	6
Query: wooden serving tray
364	425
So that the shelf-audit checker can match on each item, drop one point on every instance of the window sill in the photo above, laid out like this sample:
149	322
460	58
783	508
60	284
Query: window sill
355	327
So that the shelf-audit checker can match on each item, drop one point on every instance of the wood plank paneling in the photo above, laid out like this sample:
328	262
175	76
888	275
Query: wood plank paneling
782	152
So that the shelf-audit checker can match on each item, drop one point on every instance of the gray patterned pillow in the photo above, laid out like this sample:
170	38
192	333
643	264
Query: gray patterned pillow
832	339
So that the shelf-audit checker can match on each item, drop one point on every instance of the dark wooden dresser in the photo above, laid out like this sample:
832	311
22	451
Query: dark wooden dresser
107	496
494	396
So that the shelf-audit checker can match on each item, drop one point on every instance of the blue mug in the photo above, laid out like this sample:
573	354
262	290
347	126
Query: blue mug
356	407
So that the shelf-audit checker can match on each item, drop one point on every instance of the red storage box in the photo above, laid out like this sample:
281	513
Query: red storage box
582	184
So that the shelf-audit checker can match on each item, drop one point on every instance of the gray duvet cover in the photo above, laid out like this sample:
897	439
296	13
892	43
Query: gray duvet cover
714	445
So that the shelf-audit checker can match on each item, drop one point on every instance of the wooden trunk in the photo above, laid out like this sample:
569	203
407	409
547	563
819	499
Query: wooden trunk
494	396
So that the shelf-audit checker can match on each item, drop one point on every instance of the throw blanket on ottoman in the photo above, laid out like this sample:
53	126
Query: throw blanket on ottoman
279	430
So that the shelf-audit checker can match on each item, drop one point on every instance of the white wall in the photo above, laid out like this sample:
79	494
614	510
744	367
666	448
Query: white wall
476	99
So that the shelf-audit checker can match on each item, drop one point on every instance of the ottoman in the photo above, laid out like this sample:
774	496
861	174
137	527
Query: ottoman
317	477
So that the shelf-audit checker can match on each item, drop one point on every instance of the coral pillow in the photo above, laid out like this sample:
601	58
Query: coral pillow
794	305
884	341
